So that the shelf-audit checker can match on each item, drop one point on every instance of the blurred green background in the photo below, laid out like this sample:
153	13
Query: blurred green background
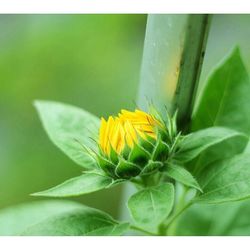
91	61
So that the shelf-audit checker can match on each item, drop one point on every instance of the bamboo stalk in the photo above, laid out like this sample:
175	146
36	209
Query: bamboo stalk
173	54
190	67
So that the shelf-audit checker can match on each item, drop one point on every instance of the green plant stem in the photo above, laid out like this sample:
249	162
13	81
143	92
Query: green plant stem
179	212
133	227
181	207
190	67
165	226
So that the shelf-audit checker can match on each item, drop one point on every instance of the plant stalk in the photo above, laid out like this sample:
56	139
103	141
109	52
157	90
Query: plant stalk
190	67
171	219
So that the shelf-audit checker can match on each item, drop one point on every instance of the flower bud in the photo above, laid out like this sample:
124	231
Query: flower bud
132	144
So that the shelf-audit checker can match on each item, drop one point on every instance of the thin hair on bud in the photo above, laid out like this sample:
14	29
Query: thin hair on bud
175	142
135	104
149	101
168	113
174	121
86	150
149	121
169	122
167	110
93	139
91	132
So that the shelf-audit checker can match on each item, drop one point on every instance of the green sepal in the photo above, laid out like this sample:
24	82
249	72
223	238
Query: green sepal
113	156
147	143
107	166
163	134
151	167
126	170
100	151
161	150
138	155
126	151
176	143
156	114
171	125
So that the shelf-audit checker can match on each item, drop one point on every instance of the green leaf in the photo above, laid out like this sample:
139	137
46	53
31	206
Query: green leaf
225	99
14	220
57	218
229	219
152	205
84	221
180	174
84	184
224	102
225	149
70	129
196	142
226	180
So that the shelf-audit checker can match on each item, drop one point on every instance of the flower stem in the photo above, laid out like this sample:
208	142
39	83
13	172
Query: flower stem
164	226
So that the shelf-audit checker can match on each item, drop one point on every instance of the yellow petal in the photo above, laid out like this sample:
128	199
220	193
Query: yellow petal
130	132
126	129
110	124
115	134
121	139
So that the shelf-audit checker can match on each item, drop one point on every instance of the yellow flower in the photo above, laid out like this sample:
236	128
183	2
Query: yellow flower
125	129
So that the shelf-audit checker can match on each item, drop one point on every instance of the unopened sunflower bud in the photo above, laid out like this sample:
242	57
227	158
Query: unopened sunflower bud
132	144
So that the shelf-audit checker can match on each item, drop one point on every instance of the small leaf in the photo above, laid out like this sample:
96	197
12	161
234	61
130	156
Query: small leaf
226	180
84	184
180	174
70	129
152	205
195	143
